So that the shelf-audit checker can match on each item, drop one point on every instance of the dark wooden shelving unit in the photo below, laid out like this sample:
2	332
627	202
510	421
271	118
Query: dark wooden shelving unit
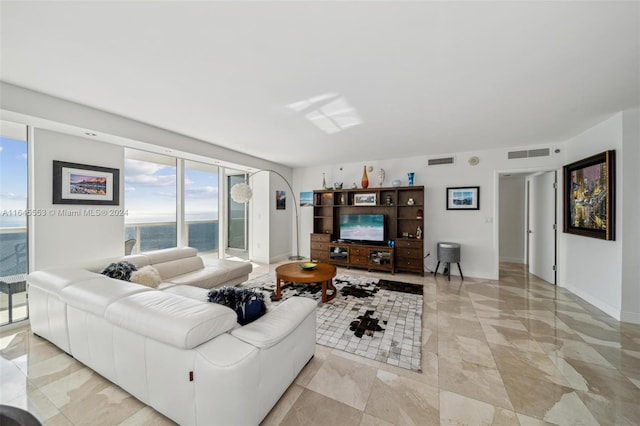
403	209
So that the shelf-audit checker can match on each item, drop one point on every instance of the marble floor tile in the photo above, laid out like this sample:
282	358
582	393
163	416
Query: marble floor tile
34	401
574	350
613	411
510	337
458	410
344	381
283	406
312	408
320	356
547	401
369	420
474	381
402	401
511	361
467	349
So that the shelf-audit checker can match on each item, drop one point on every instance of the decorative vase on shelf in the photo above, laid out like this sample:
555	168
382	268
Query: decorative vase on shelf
410	178
381	177
324	182
365	179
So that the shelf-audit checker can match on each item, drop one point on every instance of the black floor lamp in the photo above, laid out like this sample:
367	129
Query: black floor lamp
242	193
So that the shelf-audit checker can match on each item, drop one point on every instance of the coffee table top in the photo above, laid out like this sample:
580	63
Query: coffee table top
292	272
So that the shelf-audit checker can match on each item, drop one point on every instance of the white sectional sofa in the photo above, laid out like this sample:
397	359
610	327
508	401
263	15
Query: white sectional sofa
187	358
183	266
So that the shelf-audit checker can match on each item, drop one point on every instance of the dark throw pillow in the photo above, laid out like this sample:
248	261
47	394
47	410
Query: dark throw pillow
120	270
248	304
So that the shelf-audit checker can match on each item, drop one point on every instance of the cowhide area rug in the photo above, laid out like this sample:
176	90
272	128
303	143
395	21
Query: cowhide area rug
370	317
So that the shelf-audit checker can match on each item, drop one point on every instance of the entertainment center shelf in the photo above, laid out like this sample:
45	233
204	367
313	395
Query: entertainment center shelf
396	241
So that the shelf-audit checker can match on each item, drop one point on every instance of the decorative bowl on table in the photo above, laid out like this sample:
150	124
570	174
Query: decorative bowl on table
308	265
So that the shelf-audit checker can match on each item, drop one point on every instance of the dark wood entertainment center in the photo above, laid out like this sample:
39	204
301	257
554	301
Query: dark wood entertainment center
403	210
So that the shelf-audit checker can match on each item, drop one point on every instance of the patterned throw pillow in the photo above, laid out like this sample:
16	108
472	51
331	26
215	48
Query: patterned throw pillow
120	270
248	304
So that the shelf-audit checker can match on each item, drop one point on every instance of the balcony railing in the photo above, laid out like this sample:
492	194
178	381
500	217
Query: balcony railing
201	234
13	270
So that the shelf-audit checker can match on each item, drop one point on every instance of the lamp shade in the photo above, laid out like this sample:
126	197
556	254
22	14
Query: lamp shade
241	193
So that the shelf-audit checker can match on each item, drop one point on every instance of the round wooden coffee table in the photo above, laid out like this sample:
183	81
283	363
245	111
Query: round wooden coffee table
323	273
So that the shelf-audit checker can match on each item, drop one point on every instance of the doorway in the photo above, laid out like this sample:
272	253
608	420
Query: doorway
527	221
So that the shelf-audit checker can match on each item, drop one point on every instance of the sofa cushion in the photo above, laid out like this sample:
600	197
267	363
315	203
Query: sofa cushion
169	254
172	319
179	267
95	295
214	275
139	260
147	276
54	280
276	324
196	293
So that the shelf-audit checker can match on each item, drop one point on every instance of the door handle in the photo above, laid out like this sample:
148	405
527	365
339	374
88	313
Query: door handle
530	231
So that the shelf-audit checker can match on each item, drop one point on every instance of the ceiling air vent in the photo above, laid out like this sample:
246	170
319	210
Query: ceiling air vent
541	152
441	161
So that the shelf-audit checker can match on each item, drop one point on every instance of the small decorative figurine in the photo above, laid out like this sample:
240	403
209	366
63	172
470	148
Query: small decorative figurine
419	215
324	182
419	233
354	185
410	201
381	177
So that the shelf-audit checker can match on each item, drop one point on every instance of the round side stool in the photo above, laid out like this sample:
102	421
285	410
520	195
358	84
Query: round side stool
449	253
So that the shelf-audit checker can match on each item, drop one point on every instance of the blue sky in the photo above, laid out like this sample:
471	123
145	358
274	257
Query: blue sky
13	179
150	193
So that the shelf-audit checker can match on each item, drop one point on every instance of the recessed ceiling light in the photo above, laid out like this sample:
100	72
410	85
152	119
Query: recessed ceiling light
90	134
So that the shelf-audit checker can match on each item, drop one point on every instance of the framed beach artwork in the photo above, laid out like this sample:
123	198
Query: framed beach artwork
463	198
589	196
364	199
75	183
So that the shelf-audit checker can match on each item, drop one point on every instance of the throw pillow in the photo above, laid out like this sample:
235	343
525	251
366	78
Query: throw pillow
248	303
120	270
147	275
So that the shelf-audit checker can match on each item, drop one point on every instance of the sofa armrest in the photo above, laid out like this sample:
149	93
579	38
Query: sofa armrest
276	324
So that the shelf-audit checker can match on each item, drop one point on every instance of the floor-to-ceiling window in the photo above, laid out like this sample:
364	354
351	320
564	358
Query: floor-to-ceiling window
201	206
150	200
13	221
237	218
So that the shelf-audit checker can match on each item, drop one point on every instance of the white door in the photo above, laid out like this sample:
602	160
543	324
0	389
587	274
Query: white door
542	226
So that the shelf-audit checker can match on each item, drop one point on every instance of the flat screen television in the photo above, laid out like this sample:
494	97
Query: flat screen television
362	227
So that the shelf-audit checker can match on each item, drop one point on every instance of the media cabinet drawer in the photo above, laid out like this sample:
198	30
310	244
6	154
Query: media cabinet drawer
409	264
358	251
409	253
358	260
406	243
315	245
320	255
321	237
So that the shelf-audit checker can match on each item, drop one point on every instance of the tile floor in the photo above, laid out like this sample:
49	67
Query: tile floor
507	352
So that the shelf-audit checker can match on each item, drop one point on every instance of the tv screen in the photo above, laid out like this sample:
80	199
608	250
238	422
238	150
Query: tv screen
362	227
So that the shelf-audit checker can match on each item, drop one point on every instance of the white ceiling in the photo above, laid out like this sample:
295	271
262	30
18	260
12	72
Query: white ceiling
422	78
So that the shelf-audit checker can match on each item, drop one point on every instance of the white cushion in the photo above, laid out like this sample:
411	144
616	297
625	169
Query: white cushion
54	280
166	255
139	260
172	319
197	293
147	276
276	324
96	294
179	267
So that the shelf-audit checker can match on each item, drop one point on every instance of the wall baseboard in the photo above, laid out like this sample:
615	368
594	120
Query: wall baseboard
512	260
604	307
631	317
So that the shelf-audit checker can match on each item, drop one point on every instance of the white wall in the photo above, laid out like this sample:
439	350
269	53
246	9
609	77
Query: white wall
72	240
630	160
592	268
512	218
474	230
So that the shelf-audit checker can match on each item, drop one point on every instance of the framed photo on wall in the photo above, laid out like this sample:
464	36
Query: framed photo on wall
364	199
281	200
589	196
463	198
75	183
